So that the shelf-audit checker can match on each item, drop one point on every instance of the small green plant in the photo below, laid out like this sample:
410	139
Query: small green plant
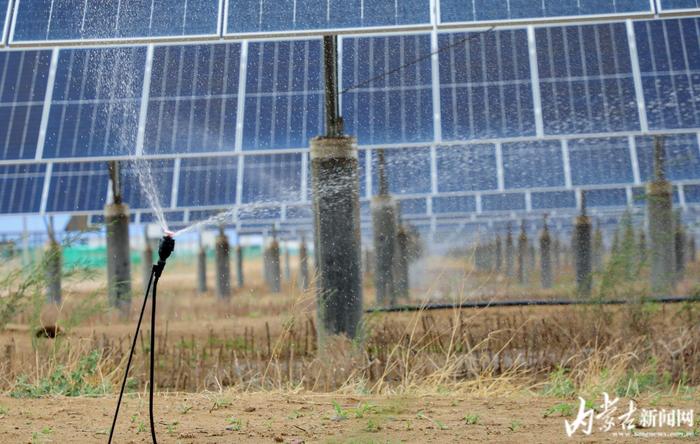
364	409
437	423
514	425
235	424
295	414
559	384
471	419
220	403
141	427
372	426
340	413
171	427
3	411
184	408
563	409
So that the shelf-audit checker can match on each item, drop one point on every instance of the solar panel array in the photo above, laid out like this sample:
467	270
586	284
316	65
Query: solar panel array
475	123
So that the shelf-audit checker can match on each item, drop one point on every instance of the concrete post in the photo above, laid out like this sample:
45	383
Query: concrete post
303	265
522	255
384	217
54	266
642	248
239	266
401	279
546	257
510	253
498	252
556	253
146	259
336	204
287	265
660	222
582	251
531	257
272	265
692	251
223	268
598	249
202	270
118	260
680	245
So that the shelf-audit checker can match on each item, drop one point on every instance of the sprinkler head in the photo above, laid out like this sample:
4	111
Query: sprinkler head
166	247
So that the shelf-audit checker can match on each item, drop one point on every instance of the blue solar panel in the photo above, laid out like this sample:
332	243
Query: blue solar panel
23	76
170	217
669	61
682	157
454	204
95	104
275	178
207	181
413	207
600	161
392	108
586	79
481	10
20	188
299	212
406	169
193	99
284	94
668	5
288	15
692	193
533	164
503	202
551	200
155	176
40	20
485	88
616	197
78	187
466	168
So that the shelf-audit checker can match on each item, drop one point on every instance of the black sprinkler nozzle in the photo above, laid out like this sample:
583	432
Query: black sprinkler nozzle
165	249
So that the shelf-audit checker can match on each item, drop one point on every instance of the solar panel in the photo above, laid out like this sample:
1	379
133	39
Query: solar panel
272	178
284	94
600	161
79	186
61	20
141	176
287	15
503	202
606	197
672	5
95	103
454	204
21	188
405	170
466	168
485	85
500	10
23	77
682	157
553	200
394	108
533	164
207	181
669	62
586	79
193	99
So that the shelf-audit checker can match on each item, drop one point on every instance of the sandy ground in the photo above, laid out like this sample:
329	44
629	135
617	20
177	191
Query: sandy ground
297	418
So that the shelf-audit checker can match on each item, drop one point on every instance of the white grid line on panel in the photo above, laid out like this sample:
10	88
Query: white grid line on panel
681	197
629	196
435	75
145	92
176	183
632	144
45	190
240	104
535	79
477	200
500	172
433	170
566	160
239	181
47	105
304	177
637	76
528	201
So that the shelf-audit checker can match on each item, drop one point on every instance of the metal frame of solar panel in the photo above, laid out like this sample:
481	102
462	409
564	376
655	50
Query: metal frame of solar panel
512	187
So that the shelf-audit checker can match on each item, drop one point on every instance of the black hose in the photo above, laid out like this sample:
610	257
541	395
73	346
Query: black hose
131	354
152	382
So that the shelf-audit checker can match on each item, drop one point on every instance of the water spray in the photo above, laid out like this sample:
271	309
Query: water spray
165	249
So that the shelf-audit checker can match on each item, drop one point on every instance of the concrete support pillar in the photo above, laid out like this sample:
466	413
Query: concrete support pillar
582	245
556	254
336	206
303	266
239	266
54	266
522	255
532	257
223	267
369	262
642	248
510	253
118	260
546	257
692	249
287	265
384	212
680	246
660	222
271	265
598	250
202	270
401	278
146	259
